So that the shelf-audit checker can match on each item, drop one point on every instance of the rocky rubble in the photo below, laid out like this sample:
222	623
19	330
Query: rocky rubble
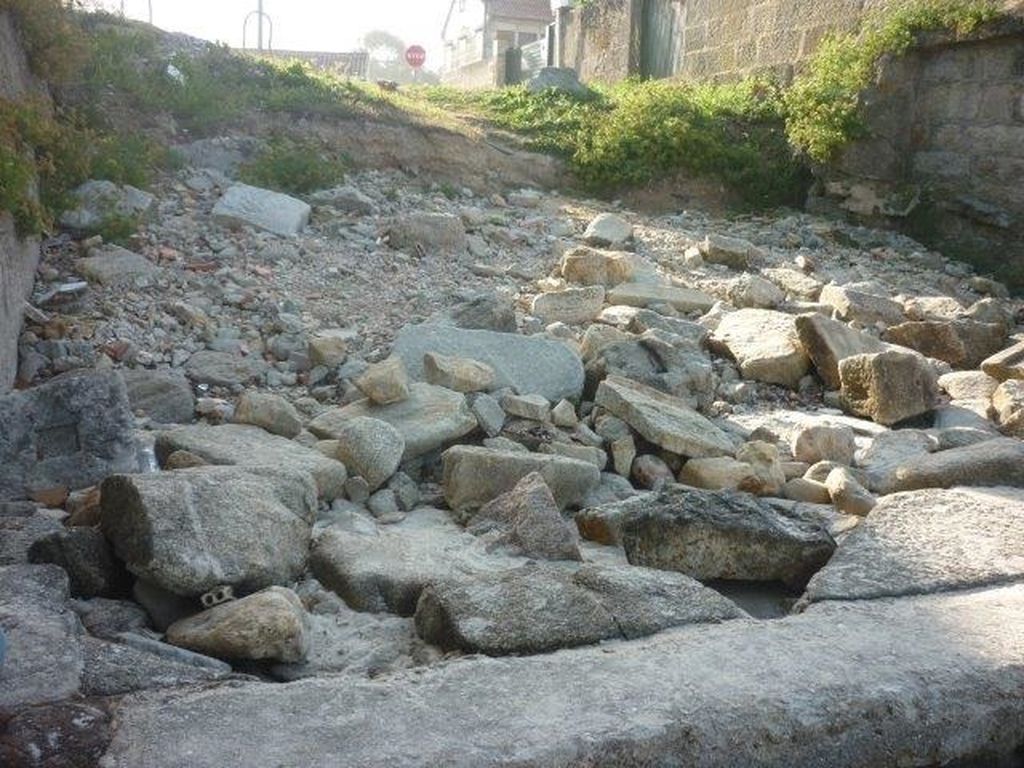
388	426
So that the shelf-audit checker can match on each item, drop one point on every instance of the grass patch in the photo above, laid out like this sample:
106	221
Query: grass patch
295	166
824	103
638	132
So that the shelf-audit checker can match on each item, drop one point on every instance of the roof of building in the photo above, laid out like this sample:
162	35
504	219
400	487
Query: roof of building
539	10
532	10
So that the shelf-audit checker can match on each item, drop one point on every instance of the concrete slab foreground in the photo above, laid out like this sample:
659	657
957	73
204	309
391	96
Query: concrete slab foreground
912	681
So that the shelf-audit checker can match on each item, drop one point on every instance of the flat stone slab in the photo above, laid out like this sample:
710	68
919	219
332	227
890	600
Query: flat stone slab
430	418
721	535
648	294
385	569
663	419
44	654
531	365
111	265
263	209
251	447
538	608
928	541
846	685
991	463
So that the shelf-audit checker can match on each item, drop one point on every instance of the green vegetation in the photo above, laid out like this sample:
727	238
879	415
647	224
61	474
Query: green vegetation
637	132
823	105
295	166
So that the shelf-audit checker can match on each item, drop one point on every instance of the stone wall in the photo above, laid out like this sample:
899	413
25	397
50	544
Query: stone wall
18	258
601	41
945	158
717	39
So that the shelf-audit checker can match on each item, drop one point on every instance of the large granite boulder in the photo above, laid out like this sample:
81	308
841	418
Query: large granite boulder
805	690
529	521
262	209
990	463
928	541
70	432
887	387
540	608
253	448
270	624
165	396
43	661
528	364
191	530
721	535
385	569
765	344
429	419
474	476
662	419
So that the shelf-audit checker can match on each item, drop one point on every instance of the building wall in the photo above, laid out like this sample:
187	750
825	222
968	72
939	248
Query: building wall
18	257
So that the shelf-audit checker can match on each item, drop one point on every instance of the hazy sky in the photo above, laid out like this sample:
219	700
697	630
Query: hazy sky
312	25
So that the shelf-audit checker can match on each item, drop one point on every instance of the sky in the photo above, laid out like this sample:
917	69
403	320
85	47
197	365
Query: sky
306	25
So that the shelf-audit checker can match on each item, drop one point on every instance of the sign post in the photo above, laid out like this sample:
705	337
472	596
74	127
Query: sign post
415	57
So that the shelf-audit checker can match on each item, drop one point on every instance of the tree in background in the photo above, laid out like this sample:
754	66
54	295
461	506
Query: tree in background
387	59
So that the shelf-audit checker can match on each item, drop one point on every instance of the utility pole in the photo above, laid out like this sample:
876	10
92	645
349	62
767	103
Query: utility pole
259	21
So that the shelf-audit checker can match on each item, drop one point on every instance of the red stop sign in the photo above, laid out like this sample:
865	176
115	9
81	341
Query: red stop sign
415	56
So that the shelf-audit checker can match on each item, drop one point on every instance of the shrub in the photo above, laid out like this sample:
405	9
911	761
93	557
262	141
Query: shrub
295	166
53	44
823	104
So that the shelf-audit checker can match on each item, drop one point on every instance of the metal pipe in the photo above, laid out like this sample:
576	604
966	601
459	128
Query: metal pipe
259	20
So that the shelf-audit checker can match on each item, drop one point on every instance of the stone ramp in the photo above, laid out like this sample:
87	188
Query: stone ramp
911	681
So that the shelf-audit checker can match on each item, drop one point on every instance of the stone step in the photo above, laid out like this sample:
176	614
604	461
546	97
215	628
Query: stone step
913	681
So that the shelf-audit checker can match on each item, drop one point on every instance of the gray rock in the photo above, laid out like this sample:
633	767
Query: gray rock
608	229
991	463
667	700
385	569
824	442
428	232
191	530
828	341
863	307
430	418
765	344
589	266
474	476
530	522
888	452
270	624
537	609
529	365
270	412
263	209
223	369
559	78
44	653
887	387
347	199
99	202
652	294
489	414
721	535
18	534
1005	365
485	312
69	734
72	431
733	252
113	265
86	557
113	669
662	419
358	644
370	448
572	306
164	396
247	446
106	618
928	541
